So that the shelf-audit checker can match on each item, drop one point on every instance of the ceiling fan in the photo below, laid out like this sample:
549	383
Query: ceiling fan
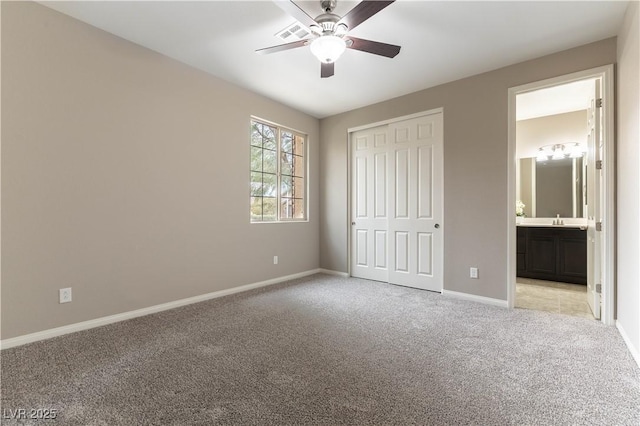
330	32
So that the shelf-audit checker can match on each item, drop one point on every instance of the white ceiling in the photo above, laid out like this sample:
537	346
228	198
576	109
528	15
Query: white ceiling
555	100
441	41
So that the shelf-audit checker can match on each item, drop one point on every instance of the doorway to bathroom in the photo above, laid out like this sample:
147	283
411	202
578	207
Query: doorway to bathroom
561	187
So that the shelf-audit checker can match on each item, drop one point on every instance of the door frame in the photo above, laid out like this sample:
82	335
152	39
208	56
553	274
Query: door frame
607	254
350	132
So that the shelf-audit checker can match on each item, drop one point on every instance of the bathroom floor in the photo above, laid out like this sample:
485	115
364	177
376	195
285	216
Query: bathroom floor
562	298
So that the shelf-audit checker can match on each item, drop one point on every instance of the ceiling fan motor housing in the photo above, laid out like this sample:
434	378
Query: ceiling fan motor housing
328	5
327	22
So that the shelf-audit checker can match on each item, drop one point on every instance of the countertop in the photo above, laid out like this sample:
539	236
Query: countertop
548	225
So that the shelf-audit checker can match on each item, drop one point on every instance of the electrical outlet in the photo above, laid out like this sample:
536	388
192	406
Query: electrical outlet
473	273
275	260
65	295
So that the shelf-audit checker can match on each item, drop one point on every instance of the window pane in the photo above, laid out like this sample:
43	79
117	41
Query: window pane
286	186
287	141
256	134
298	208
256	209
269	164
298	187
269	139
269	209
256	159
298	166
286	166
256	184
269	185
298	145
286	208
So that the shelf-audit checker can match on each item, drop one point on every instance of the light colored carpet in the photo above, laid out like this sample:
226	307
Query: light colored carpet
327	350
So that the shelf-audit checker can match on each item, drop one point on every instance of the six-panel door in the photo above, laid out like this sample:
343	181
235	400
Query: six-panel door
397	203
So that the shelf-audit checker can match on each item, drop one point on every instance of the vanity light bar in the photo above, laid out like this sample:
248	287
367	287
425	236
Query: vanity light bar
560	151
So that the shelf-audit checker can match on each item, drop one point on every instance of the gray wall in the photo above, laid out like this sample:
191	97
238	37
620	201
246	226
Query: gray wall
475	165
628	178
125	177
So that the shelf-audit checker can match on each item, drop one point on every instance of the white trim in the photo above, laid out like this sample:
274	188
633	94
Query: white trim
609	216
349	200
332	272
635	352
511	198
473	298
98	322
608	262
395	120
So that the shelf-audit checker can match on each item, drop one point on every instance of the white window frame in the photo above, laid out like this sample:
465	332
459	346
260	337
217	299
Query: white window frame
280	129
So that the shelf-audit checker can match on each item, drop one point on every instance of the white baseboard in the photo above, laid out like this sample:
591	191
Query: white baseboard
332	272
635	352
98	322
474	298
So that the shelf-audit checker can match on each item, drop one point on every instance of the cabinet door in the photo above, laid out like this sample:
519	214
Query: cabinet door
541	252
572	257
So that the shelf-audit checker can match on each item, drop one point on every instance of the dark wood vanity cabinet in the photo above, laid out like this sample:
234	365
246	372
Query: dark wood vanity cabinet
553	254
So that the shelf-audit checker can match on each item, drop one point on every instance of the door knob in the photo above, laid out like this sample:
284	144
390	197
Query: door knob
437	225
353	223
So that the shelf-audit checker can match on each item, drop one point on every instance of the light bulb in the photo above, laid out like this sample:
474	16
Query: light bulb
542	156
576	151
558	152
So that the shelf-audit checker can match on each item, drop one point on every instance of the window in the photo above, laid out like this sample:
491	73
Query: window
278	171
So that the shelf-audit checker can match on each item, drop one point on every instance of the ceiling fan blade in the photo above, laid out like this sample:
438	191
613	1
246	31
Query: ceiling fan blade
375	47
281	47
296	12
326	70
363	11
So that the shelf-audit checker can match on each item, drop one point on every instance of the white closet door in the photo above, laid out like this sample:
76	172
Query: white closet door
369	211
415	202
396	203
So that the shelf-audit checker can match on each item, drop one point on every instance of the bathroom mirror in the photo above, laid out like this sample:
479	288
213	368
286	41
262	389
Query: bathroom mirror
551	188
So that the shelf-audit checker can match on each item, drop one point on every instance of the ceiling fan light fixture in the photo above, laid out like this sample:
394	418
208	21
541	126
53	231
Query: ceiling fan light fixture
328	48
